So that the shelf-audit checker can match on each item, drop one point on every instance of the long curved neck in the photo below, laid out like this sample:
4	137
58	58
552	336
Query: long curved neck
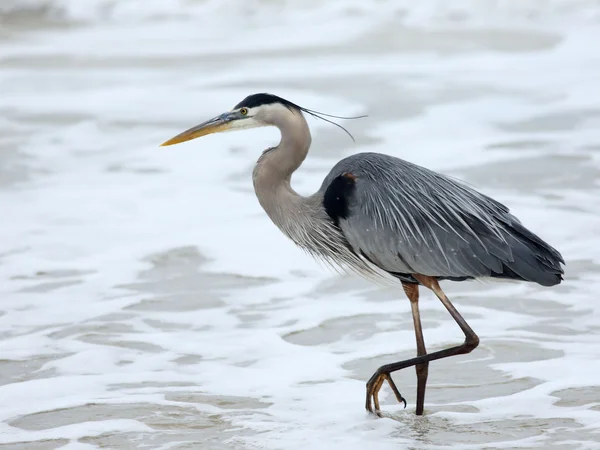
276	165
273	171
302	219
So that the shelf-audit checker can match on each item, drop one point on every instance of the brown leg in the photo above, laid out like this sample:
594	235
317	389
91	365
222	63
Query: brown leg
471	342
412	292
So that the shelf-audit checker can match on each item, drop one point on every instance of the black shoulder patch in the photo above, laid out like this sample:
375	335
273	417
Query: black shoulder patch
254	100
338	196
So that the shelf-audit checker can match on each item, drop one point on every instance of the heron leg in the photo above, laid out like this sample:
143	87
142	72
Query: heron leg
470	343
412	292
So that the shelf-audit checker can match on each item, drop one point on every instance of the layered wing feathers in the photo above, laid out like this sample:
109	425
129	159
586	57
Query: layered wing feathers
407	219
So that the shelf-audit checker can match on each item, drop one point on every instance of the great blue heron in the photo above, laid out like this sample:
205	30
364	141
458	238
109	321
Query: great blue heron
376	213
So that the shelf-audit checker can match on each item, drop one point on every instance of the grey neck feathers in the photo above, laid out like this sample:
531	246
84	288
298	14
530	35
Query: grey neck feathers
276	165
273	171
302	219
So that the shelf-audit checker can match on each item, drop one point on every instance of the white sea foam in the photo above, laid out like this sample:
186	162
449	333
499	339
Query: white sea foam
147	286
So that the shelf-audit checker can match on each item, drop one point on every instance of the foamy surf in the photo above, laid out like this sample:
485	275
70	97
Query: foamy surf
148	302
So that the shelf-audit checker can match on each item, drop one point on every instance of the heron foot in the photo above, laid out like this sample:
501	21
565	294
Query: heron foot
373	388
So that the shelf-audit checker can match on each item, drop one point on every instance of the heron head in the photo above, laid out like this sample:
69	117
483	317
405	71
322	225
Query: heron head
256	110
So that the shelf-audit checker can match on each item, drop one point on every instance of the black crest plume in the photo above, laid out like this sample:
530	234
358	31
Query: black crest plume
254	100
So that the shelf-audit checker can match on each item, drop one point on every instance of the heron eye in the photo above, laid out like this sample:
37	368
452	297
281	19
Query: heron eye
244	111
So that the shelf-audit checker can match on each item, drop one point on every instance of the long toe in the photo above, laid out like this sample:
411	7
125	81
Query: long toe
395	390
374	386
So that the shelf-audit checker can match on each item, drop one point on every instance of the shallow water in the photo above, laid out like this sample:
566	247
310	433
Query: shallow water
148	302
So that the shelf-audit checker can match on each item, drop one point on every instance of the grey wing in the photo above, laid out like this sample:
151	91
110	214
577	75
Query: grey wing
406	219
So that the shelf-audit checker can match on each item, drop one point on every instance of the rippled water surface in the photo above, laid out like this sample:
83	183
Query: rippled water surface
146	301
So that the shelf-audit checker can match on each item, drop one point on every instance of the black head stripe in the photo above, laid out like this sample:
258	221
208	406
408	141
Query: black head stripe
252	101
255	100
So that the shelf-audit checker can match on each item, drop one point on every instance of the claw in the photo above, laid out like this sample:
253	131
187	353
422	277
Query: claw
374	386
395	390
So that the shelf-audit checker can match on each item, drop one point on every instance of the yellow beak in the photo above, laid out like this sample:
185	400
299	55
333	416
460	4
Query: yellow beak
214	125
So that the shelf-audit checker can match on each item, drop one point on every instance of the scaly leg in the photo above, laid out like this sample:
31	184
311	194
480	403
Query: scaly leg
412	292
383	373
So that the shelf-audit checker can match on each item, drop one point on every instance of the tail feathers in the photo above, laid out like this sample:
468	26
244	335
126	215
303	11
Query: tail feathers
533	259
